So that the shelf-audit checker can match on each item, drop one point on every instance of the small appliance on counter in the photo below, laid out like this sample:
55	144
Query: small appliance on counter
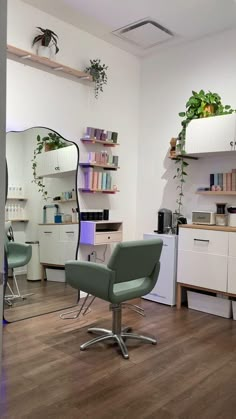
164	221
203	217
221	217
232	216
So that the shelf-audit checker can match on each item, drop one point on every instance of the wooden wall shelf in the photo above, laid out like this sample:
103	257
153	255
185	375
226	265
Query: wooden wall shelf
214	193
26	57
107	191
17	198
95	141
102	166
183	156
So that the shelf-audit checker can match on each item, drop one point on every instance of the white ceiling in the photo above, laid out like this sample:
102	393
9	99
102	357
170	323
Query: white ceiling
187	19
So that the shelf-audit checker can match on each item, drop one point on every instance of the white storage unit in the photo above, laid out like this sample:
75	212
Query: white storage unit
57	243
33	267
57	162
165	288
211	135
101	232
210	304
203	258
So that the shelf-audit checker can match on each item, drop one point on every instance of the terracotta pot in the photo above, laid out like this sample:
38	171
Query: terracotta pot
48	147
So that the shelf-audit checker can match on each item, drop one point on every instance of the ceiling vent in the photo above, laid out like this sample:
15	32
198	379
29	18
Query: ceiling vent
145	33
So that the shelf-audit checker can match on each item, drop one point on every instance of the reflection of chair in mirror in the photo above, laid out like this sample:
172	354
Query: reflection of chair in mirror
18	255
131	272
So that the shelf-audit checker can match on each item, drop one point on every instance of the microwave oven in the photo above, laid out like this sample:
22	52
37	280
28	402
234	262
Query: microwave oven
203	217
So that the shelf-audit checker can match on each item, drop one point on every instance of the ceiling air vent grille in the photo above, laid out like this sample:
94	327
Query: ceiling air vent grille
145	33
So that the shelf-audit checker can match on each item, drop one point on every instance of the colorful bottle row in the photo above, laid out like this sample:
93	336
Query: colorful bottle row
14	212
103	158
223	181
94	179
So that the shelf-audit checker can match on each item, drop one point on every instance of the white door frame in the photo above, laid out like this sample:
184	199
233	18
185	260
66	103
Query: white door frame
3	41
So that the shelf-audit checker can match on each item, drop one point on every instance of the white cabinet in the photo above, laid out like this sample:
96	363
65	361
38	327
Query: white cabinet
165	288
101	232
203	258
211	135
232	264
56	162
58	243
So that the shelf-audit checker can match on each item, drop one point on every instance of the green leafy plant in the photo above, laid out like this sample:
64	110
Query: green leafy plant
52	141
99	75
47	38
200	105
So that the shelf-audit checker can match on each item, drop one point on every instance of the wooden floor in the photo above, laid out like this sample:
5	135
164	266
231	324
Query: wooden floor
190	374
47	297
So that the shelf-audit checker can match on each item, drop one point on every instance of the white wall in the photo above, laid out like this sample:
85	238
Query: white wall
38	98
167	80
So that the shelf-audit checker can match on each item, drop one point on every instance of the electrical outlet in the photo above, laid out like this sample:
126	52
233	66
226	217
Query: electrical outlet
92	257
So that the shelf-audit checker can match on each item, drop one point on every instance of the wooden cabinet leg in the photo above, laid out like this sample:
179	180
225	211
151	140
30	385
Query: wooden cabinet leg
42	272
179	296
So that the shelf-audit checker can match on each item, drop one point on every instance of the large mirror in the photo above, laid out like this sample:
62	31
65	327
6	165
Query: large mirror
42	218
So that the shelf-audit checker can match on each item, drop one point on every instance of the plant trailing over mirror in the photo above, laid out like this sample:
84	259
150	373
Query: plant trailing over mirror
98	73
52	141
200	105
47	38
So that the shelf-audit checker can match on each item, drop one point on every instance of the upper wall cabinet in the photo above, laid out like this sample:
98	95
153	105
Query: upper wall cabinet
57	162
211	135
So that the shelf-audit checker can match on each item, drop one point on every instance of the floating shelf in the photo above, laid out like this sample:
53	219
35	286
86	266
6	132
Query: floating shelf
19	220
102	166
108	191
183	156
45	64
17	199
95	141
63	201
222	193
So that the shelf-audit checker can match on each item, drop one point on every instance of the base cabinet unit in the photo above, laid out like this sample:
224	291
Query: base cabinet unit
57	243
101	232
165	289
207	260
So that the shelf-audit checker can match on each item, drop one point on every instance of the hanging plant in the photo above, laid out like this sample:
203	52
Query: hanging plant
98	73
199	105
50	142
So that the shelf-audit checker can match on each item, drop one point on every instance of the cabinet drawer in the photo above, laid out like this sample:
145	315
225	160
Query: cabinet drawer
232	275
49	244
203	270
68	233
105	238
232	244
203	241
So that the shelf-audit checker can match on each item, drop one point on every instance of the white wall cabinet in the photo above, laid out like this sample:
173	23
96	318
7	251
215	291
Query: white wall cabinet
57	162
211	135
57	243
207	259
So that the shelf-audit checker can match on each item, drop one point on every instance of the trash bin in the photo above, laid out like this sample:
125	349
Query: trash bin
33	267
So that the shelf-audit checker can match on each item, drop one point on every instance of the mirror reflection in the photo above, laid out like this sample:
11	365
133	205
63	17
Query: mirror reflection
41	222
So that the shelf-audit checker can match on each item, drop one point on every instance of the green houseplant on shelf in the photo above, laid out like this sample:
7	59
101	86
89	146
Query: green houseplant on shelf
52	141
200	105
99	75
46	39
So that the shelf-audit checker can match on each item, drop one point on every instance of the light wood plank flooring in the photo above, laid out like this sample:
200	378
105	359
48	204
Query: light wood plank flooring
190	374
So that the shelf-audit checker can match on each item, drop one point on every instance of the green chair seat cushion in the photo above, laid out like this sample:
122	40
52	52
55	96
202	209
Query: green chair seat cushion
124	291
18	254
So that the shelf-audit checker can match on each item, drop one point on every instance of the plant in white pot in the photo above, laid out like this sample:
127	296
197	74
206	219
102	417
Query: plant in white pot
47	40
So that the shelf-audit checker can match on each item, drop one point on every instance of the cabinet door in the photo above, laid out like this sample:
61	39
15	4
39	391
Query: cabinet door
49	244
47	163
202	269
67	158
232	275
212	134
68	238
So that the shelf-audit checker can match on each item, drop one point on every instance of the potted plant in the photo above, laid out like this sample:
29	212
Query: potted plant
200	105
98	73
47	40
52	141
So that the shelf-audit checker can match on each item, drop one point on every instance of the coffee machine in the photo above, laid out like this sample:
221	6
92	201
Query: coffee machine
164	221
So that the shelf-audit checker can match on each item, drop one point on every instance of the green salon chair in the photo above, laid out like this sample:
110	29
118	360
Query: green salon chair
18	255
131	272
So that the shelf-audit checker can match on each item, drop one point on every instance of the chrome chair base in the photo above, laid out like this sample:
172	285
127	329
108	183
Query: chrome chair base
74	314
10	298
117	334
120	339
